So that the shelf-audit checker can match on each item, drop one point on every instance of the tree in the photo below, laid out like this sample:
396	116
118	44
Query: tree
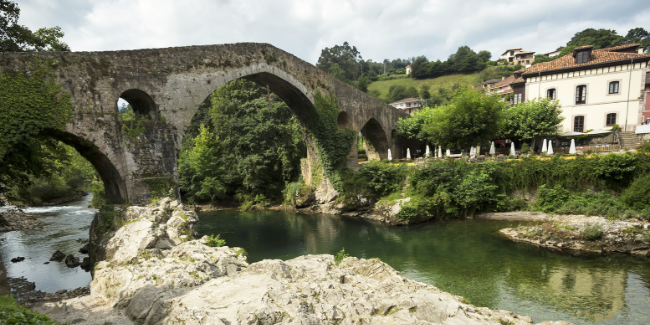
541	58
362	83
419	67
399	92
638	35
424	92
250	148
599	38
17	38
472	118
345	56
532	119
485	55
29	105
412	127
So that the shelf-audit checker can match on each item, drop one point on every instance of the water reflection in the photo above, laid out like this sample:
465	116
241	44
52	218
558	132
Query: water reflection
462	257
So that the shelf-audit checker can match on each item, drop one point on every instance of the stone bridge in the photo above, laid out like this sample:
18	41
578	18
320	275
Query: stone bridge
168	85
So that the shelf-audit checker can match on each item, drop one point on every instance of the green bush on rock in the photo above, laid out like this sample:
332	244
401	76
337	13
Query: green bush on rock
214	241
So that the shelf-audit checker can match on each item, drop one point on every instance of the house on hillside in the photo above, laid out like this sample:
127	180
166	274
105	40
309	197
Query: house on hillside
553	53
488	85
409	105
502	88
518	55
596	88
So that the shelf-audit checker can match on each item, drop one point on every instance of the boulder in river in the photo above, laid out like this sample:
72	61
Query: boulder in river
85	264
17	259
71	261
84	250
58	256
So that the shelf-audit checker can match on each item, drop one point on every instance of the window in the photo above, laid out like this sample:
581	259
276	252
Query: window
581	94
550	94
611	119
583	57
527	61
579	124
613	87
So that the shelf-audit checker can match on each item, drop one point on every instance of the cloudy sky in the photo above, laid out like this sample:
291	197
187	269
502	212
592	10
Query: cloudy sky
378	28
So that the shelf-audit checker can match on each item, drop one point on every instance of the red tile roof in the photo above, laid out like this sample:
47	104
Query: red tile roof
505	81
597	56
518	80
620	47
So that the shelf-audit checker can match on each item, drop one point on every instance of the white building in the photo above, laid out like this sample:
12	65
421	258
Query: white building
408	69
518	55
409	105
596	88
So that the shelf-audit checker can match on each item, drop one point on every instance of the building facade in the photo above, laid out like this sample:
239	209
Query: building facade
409	105
518	55
596	88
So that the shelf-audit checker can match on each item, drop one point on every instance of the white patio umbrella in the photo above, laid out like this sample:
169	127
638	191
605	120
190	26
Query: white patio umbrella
426	154
492	150
512	148
448	153
544	147
550	147
390	157
408	154
572	149
439	152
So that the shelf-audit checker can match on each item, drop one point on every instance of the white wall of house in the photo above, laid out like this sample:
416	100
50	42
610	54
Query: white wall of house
599	102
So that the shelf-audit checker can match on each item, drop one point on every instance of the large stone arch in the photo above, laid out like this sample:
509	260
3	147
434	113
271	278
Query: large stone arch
176	81
375	140
114	185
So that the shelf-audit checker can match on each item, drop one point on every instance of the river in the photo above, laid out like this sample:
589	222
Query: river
65	226
465	258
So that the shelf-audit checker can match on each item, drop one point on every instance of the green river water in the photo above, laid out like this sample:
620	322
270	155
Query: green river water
465	257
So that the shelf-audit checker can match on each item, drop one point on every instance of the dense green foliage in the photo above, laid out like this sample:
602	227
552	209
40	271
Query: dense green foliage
465	60
242	144
30	105
541	58
471	118
18	38
499	71
341	61
399	92
13	313
70	176
533	118
594	185
602	38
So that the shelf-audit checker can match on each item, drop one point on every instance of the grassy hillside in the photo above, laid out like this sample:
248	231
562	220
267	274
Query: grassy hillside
445	82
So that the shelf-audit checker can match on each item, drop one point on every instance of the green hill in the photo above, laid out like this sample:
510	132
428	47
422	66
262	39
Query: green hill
445	82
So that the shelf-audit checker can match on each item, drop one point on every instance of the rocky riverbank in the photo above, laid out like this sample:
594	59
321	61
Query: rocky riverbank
15	220
155	272
591	235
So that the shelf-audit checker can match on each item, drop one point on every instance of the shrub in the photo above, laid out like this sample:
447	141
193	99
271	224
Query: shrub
637	195
592	231
340	256
525	148
13	313
214	241
379	178
551	200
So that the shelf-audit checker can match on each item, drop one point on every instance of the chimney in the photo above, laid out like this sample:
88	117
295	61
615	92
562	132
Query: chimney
640	50
503	78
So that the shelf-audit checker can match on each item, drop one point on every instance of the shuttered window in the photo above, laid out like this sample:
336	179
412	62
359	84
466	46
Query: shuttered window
611	119
550	94
581	94
613	87
579	124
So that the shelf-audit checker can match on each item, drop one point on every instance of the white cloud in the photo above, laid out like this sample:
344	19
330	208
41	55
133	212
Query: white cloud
379	29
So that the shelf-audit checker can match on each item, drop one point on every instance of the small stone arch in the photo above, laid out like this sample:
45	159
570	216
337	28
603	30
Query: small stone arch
141	102
114	185
343	120
376	142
